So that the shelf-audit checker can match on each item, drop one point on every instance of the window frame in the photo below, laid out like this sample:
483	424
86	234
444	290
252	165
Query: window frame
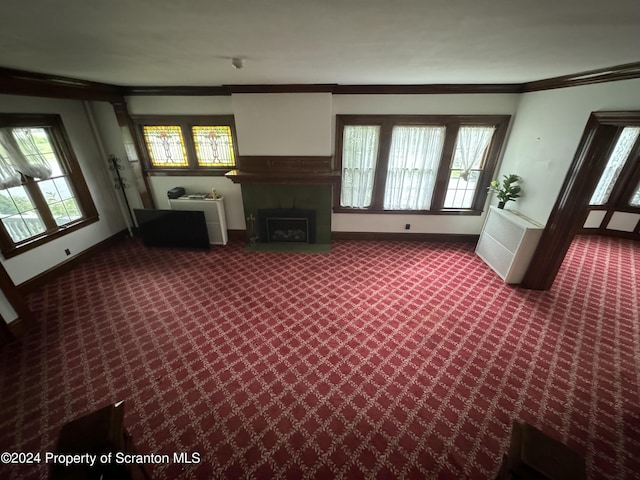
69	162
627	181
185	122
452	123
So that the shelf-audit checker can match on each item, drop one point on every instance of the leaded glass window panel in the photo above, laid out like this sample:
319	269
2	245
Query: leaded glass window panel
615	164
19	215
214	146
58	195
165	146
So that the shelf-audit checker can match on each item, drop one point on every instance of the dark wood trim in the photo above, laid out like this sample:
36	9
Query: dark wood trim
188	172
20	82
600	75
610	233
10	250
237	176
6	335
381	165
335	89
51	274
237	235
185	122
452	124
17	327
284	170
128	127
283	88
444	167
427	89
406	237
188	91
14	296
571	207
284	164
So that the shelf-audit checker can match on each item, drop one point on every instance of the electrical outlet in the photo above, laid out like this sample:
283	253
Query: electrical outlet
67	251
407	226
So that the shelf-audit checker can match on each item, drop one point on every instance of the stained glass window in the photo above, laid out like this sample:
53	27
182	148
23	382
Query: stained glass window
214	146
165	146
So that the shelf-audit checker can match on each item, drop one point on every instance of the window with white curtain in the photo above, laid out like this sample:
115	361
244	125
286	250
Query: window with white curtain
359	157
413	163
615	164
42	192
472	144
417	163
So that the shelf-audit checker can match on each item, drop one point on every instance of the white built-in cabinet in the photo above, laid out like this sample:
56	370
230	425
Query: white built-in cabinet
213	214
507	243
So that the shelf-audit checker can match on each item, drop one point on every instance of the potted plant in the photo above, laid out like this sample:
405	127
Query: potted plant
508	190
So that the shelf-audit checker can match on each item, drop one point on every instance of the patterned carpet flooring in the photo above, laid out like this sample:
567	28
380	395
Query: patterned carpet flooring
379	360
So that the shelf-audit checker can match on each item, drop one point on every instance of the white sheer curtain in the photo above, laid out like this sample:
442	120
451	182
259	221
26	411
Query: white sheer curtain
359	157
471	145
413	164
20	154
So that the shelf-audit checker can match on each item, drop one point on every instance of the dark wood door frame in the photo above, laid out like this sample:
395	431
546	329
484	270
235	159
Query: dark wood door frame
570	210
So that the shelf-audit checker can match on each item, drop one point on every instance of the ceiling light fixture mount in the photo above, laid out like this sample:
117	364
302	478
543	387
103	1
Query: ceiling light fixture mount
237	62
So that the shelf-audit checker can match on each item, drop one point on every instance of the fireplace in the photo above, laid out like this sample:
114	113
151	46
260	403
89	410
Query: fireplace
278	225
295	193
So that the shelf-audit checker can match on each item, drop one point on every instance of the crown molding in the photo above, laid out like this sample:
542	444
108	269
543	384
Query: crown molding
20	82
600	75
188	91
428	89
334	89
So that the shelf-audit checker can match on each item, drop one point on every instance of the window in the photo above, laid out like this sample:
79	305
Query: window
190	144
608	191
42	192
416	164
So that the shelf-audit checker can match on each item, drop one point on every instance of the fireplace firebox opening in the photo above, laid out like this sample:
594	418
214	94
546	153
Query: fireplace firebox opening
287	225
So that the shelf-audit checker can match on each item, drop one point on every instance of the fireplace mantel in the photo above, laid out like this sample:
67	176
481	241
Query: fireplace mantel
284	170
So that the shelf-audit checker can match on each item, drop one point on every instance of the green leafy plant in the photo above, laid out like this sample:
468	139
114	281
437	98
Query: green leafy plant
508	190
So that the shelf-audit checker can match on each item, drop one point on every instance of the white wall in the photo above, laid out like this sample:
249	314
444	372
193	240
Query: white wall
283	123
110	143
94	168
546	133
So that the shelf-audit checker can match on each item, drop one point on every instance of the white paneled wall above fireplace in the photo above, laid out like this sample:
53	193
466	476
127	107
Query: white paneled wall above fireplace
283	123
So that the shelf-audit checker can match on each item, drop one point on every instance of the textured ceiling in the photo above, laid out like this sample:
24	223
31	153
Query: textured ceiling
191	42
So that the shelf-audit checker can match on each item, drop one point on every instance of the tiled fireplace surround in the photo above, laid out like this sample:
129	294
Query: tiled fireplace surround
288	183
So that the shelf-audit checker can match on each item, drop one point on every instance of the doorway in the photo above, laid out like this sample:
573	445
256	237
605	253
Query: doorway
572	205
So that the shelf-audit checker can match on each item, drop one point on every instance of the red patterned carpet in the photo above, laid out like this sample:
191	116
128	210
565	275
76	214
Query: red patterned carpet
379	360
